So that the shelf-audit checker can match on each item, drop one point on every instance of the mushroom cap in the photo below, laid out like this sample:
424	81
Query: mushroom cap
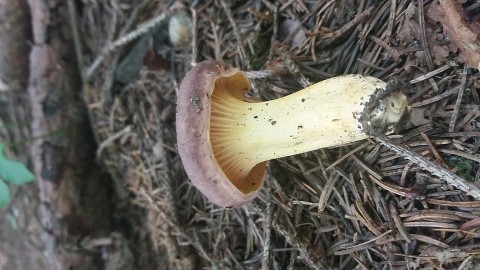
193	135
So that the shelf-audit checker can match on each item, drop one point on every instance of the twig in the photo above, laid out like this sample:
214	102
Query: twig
421	21
435	98
112	138
275	30
329	38
261	74
266	260
460	134
367	168
140	31
434	169
356	149
282	226
364	245
240	49
433	149
305	250
395	189
463	154
391	19
470	116
453	120
364	217
433	73
398	222
178	230
390	50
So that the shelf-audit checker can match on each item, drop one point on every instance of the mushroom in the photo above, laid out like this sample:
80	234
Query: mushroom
225	141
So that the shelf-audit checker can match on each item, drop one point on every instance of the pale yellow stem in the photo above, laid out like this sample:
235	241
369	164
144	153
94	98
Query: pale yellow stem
323	115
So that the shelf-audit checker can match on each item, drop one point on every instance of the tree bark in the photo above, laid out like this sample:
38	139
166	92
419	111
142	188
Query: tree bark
74	194
14	44
15	37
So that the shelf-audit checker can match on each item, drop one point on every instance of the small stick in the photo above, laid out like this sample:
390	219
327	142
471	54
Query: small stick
463	84
240	49
391	19
329	38
443	174
274	37
140	31
261	74
390	50
435	98
470	116
433	149
463	154
266	260
421	21
399	190
403	176
398	223
367	168
111	139
433	73
356	149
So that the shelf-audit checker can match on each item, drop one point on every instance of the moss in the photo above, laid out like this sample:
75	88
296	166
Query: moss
463	110
464	168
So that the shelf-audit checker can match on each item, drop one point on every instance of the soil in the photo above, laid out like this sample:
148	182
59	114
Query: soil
87	102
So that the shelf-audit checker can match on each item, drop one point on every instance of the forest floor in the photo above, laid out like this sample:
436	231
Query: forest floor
87	102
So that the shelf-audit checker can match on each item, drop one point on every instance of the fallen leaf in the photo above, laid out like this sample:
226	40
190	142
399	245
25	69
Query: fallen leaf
410	31
462	32
417	117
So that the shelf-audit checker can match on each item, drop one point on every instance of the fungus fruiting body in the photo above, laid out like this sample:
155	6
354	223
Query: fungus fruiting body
225	141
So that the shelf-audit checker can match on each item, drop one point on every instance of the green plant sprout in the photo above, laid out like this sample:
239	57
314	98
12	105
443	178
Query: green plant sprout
13	172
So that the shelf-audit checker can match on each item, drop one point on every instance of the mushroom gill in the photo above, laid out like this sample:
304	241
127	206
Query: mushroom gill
229	132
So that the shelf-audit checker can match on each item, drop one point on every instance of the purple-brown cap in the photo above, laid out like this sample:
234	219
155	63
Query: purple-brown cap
195	139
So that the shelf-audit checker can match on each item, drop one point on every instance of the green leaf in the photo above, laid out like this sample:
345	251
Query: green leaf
4	194
13	171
